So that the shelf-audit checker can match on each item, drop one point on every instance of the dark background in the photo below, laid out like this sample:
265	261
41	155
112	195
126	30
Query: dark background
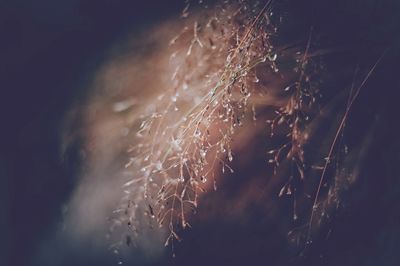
48	50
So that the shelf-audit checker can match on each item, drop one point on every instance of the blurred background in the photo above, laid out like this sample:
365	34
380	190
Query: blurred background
49	52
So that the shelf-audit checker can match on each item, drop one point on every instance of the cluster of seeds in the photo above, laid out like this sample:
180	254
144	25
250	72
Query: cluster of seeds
184	140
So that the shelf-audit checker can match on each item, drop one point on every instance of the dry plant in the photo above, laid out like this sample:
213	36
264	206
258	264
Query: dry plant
184	140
